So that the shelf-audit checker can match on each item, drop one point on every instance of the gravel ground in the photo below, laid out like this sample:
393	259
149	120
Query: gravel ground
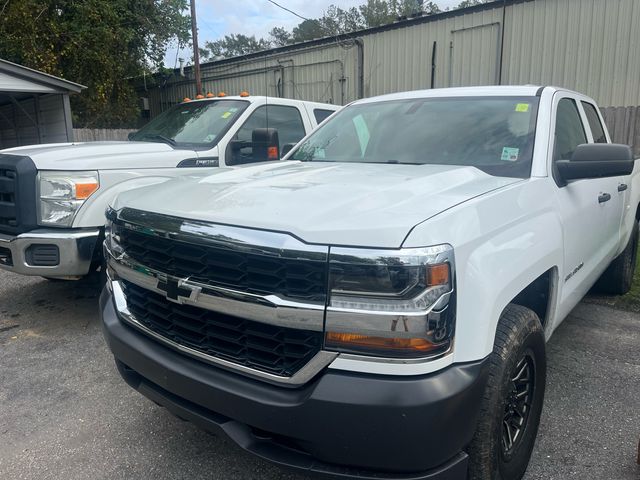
66	414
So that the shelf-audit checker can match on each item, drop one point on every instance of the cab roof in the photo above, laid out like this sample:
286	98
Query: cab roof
502	90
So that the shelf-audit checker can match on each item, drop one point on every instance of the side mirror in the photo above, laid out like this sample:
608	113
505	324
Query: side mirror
597	160
286	148
264	146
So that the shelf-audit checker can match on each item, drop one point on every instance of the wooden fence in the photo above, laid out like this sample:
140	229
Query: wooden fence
100	134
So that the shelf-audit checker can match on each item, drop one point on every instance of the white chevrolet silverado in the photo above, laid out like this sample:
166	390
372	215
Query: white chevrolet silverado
53	197
377	304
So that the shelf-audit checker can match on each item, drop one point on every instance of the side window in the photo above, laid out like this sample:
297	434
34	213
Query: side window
286	120
569	130
321	115
594	122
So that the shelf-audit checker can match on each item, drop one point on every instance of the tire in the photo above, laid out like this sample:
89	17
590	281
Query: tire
519	349
618	277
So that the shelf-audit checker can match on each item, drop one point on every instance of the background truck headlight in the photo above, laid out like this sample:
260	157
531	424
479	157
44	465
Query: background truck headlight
62	194
391	303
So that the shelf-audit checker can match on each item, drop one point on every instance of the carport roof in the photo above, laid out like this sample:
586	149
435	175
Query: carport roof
19	79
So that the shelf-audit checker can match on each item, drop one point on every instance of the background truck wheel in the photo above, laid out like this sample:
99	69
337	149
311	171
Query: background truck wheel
512	403
618	277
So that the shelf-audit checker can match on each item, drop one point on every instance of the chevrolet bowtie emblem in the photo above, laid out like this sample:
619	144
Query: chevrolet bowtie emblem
177	290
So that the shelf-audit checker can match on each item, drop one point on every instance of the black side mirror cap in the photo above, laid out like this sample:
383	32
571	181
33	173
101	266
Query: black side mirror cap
597	160
266	144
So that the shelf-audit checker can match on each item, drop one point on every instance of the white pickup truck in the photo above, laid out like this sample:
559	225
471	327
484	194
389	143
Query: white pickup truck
53	197
377	304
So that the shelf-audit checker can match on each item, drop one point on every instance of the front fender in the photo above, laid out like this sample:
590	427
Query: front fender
502	241
92	212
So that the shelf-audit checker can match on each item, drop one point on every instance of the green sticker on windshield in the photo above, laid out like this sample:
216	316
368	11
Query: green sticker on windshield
226	114
510	154
522	107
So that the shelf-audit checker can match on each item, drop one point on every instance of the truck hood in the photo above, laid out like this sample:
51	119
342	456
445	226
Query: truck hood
373	205
102	155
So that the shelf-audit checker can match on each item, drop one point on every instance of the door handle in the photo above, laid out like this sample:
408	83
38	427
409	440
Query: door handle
604	197
622	187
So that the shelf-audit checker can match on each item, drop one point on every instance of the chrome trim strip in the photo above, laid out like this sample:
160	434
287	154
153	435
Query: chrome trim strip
302	376
270	309
246	240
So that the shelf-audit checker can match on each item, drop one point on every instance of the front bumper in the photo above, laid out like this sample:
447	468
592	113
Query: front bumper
75	249
341	424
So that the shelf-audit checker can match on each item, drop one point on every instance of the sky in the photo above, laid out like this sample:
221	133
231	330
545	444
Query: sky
217	18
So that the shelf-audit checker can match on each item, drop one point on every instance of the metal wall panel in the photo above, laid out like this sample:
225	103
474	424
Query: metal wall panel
401	59
592	46
18	123
323	73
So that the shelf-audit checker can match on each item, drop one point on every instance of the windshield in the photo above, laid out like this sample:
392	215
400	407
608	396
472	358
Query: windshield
194	124
494	134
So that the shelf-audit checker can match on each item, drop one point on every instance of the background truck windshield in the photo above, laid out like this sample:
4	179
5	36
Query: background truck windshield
194	124
494	134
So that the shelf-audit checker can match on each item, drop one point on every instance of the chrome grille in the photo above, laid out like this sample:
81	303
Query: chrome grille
267	348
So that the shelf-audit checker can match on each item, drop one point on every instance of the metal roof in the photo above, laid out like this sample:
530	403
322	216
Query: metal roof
19	79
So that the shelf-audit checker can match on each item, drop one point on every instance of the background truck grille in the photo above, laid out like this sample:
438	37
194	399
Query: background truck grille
268	348
17	194
238	270
8	187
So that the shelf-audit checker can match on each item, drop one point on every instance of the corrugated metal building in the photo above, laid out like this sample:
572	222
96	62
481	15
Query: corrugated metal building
34	106
592	46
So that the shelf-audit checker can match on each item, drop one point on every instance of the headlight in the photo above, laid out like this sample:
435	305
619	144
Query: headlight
391	303
62	194
112	234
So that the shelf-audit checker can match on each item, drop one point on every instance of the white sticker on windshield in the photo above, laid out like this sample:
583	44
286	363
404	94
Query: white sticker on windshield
210	138
510	154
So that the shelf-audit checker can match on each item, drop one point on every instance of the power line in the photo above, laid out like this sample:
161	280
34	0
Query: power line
288	10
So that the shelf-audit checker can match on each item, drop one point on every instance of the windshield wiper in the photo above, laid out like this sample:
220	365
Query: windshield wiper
157	136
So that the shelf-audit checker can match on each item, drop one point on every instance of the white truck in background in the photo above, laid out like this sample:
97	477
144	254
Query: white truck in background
377	304
53	197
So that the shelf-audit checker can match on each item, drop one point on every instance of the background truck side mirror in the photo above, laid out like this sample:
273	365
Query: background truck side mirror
264	146
597	160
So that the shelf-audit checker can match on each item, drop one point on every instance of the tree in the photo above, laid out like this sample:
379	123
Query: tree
308	30
233	46
280	37
471	3
96	43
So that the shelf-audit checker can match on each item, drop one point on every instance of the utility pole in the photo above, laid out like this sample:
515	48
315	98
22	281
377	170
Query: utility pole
196	51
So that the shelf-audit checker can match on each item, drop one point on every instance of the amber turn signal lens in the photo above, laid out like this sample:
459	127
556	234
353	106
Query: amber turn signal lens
438	274
84	190
357	341
272	153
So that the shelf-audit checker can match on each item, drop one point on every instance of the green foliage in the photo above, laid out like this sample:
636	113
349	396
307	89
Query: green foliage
233	46
471	3
335	21
98	43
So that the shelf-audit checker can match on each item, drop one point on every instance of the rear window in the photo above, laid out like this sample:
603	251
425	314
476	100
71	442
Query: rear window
321	115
